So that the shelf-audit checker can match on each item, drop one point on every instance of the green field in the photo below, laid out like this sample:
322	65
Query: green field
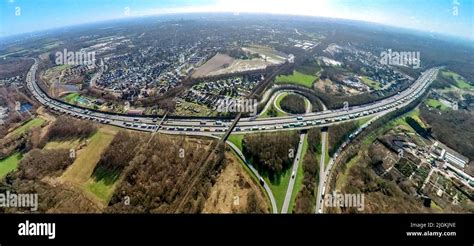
400	121
362	121
297	78
436	104
67	144
372	84
71	98
102	184
278	110
327	157
237	140
81	170
9	164
280	97
36	122
279	188
461	83
266	114
299	177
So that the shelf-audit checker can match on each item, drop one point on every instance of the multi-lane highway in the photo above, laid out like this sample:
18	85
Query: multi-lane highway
213	127
245	125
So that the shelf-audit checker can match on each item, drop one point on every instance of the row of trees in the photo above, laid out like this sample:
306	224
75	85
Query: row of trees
121	151
417	127
65	127
40	163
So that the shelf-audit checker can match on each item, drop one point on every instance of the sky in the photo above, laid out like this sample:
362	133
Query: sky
452	17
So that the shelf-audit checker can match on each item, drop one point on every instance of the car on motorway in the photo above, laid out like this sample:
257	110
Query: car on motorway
293	174
299	118
262	183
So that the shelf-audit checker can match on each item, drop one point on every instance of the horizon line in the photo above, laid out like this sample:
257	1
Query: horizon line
462	38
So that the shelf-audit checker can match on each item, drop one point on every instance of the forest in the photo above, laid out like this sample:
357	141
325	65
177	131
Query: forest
166	175
452	127
293	104
68	128
270	153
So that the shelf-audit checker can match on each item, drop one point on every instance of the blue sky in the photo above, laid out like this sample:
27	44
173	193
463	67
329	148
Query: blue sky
20	16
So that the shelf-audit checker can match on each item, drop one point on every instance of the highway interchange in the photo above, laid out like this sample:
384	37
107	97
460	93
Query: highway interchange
216	127
245	125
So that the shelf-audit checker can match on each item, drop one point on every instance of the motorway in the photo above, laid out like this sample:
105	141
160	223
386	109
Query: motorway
245	125
213	127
